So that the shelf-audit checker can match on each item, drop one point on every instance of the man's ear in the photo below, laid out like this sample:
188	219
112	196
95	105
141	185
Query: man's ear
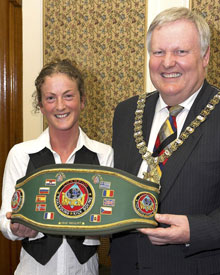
206	57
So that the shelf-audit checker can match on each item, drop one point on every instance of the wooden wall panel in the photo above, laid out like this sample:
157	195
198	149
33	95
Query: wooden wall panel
10	105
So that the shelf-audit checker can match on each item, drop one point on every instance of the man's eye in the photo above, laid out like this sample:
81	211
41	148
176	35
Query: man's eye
158	53
181	52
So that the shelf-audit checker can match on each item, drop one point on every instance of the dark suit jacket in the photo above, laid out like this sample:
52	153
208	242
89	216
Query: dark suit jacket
190	186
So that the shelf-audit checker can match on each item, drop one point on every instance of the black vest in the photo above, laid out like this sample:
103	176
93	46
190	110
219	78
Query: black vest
43	249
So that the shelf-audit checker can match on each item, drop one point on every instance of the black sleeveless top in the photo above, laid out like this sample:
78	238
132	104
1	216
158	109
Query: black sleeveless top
43	249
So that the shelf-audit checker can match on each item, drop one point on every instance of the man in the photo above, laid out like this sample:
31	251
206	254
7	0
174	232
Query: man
187	239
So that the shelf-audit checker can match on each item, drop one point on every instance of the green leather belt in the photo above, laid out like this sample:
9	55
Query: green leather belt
77	199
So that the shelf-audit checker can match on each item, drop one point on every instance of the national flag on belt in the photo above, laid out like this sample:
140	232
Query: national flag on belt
108	193
106	210
50	182
49	215
40	207
105	184
95	218
40	198
44	190
108	202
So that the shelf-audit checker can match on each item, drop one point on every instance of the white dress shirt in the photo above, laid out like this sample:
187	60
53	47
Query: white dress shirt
160	115
64	261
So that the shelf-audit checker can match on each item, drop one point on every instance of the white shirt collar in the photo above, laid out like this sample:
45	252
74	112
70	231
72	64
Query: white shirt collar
36	145
84	140
187	104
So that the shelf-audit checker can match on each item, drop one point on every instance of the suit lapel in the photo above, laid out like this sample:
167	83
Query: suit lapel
148	116
149	111
176	162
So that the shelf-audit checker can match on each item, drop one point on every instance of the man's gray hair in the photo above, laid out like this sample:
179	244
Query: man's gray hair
182	13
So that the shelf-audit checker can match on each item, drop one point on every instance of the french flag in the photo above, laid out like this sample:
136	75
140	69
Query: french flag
49	215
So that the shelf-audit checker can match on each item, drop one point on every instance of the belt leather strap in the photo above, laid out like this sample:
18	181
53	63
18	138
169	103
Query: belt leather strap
80	199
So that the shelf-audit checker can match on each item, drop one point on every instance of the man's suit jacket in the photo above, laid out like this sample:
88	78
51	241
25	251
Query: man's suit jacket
190	186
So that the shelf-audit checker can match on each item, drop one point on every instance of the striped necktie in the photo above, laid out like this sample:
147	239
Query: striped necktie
167	132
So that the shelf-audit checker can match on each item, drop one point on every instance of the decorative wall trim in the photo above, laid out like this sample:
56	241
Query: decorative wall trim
106	39
210	11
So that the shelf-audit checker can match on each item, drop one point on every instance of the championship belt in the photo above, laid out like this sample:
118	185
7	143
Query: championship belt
78	199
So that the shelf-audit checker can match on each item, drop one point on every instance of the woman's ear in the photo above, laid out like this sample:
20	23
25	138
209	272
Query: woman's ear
83	102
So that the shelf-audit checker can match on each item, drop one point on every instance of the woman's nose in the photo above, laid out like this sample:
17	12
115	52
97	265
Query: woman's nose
60	104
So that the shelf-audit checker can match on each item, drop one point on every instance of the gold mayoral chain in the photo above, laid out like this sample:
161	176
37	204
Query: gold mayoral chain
152	173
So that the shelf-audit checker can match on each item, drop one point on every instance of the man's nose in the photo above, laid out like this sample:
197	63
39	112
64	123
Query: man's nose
169	60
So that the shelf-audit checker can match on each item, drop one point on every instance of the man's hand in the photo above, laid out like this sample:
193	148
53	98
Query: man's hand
177	233
20	230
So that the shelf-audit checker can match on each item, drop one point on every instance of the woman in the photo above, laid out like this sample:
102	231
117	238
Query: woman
60	97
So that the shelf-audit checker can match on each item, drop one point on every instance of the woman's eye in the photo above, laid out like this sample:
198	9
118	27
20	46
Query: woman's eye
68	96
50	98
